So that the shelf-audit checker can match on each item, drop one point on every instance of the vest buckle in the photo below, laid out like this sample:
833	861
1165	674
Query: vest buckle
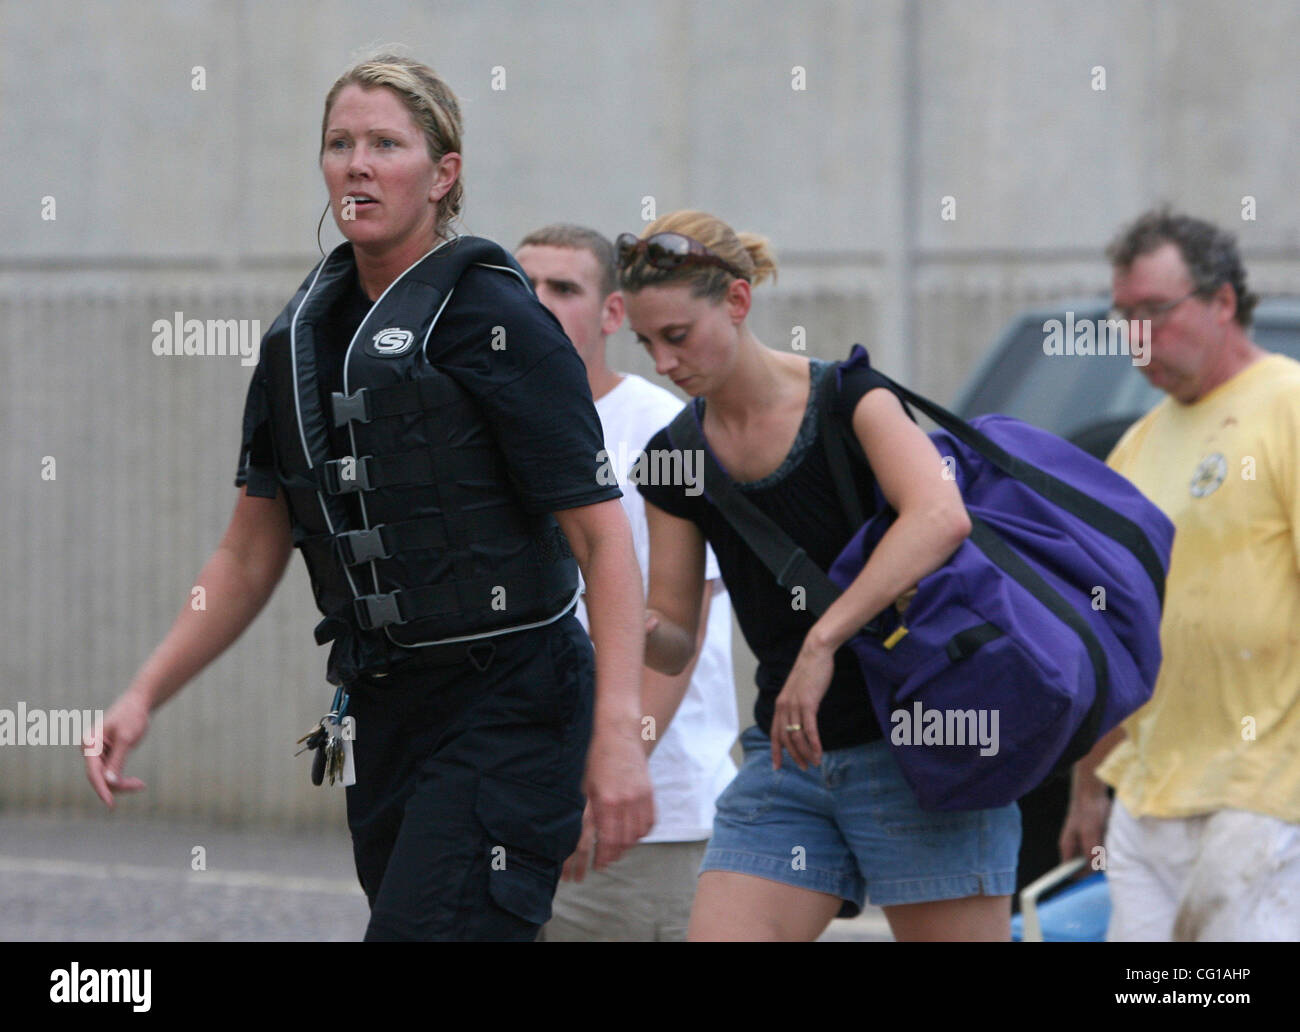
348	407
359	546
358	481
375	611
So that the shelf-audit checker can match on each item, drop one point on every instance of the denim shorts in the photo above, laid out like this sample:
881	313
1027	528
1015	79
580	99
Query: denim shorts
852	828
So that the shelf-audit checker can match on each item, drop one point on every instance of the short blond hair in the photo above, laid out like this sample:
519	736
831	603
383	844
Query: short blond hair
750	254
426	96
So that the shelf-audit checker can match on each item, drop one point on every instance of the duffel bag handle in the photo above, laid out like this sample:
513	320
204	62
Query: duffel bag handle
1068	497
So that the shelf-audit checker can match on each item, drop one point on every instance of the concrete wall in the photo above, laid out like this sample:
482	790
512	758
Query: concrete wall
205	201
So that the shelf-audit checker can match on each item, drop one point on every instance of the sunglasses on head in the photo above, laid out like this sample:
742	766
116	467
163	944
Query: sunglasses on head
668	251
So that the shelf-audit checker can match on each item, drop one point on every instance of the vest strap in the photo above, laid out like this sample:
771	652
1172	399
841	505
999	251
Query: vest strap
379	402
424	466
372	612
388	539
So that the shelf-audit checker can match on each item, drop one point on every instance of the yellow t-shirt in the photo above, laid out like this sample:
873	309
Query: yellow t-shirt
1222	729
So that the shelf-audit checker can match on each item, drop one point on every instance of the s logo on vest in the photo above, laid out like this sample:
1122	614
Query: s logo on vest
392	342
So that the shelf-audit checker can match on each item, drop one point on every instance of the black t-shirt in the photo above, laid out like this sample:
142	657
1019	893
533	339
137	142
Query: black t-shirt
533	392
800	497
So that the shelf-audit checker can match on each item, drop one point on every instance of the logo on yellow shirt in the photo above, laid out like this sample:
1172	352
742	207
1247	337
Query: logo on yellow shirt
1211	472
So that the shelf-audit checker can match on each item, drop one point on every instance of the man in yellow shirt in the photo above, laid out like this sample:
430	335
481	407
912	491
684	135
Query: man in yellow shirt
1203	841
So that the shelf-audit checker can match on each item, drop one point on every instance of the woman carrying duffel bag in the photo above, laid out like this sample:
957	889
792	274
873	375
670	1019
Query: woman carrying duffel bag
820	818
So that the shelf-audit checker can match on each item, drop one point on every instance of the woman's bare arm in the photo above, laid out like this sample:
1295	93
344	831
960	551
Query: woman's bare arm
617	780
662	694
676	590
931	525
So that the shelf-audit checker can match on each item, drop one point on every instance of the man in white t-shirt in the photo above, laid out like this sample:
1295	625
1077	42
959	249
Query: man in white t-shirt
690	720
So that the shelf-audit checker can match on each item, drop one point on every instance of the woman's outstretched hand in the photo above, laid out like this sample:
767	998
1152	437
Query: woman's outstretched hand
107	748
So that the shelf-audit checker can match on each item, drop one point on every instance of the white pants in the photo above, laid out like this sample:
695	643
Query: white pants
1227	876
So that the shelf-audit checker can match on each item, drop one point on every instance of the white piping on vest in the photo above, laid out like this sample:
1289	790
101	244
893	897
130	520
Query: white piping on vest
424	347
492	634
577	594
506	268
352	438
424	350
365	519
297	402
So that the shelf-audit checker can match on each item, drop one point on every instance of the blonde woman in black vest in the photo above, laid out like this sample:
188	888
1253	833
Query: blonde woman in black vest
401	430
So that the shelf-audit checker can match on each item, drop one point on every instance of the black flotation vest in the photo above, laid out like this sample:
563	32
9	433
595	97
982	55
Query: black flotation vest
442	551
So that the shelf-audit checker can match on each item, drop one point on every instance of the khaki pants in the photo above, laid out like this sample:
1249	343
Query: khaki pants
645	897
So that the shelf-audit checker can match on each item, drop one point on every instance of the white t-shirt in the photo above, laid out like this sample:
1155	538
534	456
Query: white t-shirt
692	763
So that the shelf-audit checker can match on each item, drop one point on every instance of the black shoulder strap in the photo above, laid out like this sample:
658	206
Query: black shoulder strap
836	442
447	264
788	562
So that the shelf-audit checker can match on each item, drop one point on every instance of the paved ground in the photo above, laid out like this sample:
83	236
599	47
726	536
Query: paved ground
128	879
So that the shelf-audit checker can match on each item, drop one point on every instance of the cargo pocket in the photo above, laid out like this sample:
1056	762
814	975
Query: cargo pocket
531	831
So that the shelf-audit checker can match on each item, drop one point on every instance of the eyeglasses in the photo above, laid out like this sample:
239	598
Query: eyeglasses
669	251
1156	314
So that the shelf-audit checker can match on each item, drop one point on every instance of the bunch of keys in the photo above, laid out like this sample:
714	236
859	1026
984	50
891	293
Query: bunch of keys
326	738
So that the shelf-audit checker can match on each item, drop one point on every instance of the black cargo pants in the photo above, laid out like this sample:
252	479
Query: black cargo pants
468	796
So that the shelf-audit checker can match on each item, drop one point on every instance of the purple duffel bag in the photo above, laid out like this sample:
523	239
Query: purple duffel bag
1038	635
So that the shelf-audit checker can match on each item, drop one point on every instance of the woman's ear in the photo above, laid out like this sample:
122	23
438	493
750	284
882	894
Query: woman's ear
447	171
738	299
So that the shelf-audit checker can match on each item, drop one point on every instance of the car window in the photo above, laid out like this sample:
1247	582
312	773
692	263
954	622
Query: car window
1061	393
1070	393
